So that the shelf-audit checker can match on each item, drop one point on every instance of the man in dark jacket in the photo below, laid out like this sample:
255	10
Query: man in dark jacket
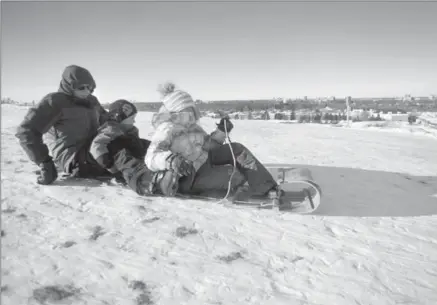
68	119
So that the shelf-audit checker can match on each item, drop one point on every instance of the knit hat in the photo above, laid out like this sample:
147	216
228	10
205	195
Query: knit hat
175	100
121	110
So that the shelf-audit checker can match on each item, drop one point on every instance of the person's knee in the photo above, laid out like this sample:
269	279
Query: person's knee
245	158
238	147
125	160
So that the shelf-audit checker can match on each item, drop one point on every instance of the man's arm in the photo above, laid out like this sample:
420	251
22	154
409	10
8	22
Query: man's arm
37	122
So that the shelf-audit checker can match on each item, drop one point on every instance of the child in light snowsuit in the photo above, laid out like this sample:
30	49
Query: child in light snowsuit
118	148
201	159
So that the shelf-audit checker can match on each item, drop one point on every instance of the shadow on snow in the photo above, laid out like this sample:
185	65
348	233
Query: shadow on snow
361	193
354	192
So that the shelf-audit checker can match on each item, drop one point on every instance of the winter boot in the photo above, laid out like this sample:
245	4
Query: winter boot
276	195
165	183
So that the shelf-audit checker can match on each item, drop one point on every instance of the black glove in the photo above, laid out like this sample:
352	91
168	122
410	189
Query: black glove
221	125
179	165
48	172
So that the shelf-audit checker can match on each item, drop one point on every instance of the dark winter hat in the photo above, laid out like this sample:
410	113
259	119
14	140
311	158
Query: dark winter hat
74	77
121	110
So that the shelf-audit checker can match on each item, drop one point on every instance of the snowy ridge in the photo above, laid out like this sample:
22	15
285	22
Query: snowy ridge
392	126
373	240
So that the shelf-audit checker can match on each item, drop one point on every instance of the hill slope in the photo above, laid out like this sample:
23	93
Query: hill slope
373	241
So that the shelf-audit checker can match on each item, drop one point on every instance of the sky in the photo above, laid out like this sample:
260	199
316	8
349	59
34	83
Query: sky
221	50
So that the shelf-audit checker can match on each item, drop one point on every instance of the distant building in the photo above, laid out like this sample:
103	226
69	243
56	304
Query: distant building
399	117
327	110
408	98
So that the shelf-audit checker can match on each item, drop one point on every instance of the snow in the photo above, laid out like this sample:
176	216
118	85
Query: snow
372	241
430	116
392	126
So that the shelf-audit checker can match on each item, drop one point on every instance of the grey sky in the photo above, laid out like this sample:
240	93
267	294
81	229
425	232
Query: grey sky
222	50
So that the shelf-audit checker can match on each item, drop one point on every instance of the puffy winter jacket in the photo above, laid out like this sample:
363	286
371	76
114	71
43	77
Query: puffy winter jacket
66	122
179	132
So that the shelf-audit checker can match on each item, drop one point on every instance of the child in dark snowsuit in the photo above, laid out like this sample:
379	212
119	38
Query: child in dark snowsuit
119	149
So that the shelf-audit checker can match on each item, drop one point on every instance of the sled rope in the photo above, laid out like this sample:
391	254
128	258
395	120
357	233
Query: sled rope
234	168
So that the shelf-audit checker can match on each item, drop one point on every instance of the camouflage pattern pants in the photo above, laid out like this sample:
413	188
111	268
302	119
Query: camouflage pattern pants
130	166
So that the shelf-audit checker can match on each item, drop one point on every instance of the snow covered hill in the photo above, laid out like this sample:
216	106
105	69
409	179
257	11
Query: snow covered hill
373	240
392	126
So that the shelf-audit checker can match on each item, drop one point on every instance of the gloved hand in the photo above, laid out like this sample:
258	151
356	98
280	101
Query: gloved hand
179	165
48	172
229	125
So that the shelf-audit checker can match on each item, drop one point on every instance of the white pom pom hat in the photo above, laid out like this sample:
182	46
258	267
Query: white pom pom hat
177	100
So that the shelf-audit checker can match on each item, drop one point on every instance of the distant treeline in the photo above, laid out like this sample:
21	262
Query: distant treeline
385	105
235	105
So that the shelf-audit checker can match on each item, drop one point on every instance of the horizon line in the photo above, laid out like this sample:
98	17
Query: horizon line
266	99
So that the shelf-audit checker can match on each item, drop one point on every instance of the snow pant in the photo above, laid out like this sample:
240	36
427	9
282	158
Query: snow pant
84	166
136	146
214	175
129	166
133	172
